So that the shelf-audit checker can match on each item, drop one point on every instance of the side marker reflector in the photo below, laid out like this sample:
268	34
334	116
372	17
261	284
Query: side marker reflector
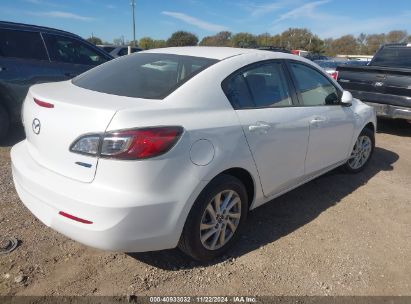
75	218
43	104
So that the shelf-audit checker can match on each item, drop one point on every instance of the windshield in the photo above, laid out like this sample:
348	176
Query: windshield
143	75
399	57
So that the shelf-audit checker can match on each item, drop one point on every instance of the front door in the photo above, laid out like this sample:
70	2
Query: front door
331	124
71	55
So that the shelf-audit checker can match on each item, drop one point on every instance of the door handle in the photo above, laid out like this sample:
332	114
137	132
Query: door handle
259	127
3	69
317	120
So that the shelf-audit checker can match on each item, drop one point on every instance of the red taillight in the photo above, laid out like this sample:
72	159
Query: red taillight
75	218
334	75
129	144
140	143
43	104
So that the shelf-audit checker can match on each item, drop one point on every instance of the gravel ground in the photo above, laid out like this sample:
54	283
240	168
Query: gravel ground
337	235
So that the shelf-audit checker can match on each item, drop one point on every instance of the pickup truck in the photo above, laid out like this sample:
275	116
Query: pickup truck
385	83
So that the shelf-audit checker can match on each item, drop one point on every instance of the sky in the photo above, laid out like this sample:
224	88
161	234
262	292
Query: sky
110	19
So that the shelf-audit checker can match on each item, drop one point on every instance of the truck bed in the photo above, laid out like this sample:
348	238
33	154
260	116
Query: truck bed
377	84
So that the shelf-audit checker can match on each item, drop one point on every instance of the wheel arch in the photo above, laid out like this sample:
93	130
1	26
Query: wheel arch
246	178
370	125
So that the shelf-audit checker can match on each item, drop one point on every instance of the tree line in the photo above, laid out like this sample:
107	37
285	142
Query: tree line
291	39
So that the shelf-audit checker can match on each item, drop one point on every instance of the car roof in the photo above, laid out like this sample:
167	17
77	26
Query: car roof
396	45
29	27
211	52
118	46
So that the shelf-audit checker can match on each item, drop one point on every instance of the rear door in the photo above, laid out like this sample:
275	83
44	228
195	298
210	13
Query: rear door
399	84
23	62
72	56
331	125
275	131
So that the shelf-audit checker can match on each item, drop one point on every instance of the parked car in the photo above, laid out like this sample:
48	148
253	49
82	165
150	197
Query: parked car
117	51
301	53
275	49
314	57
32	54
384	83
107	47
177	156
330	66
357	63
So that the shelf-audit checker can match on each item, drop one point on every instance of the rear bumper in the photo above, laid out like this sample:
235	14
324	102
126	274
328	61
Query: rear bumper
390	111
122	221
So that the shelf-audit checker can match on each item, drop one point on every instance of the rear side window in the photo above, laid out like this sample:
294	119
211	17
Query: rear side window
22	44
399	57
238	93
143	75
315	88
258	87
69	50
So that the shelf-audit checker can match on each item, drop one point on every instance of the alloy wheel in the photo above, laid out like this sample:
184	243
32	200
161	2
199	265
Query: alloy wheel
220	219
361	152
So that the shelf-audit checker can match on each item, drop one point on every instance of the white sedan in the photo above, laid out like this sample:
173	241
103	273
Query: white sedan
172	147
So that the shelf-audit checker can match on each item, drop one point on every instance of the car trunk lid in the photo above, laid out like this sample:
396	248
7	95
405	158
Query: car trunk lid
55	115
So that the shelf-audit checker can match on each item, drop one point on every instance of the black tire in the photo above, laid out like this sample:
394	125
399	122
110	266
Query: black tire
190	242
4	122
347	167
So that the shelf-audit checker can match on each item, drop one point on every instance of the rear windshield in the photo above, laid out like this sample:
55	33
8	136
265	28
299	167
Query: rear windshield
399	57
143	75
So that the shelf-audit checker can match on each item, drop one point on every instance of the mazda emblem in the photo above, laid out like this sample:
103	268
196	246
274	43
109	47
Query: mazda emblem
36	126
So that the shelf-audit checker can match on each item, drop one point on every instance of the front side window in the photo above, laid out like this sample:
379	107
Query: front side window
143	75
22	44
69	50
258	87
315	88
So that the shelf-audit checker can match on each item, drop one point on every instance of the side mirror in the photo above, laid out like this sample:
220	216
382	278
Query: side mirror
346	99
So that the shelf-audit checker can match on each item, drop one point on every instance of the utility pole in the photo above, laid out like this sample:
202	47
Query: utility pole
133	5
